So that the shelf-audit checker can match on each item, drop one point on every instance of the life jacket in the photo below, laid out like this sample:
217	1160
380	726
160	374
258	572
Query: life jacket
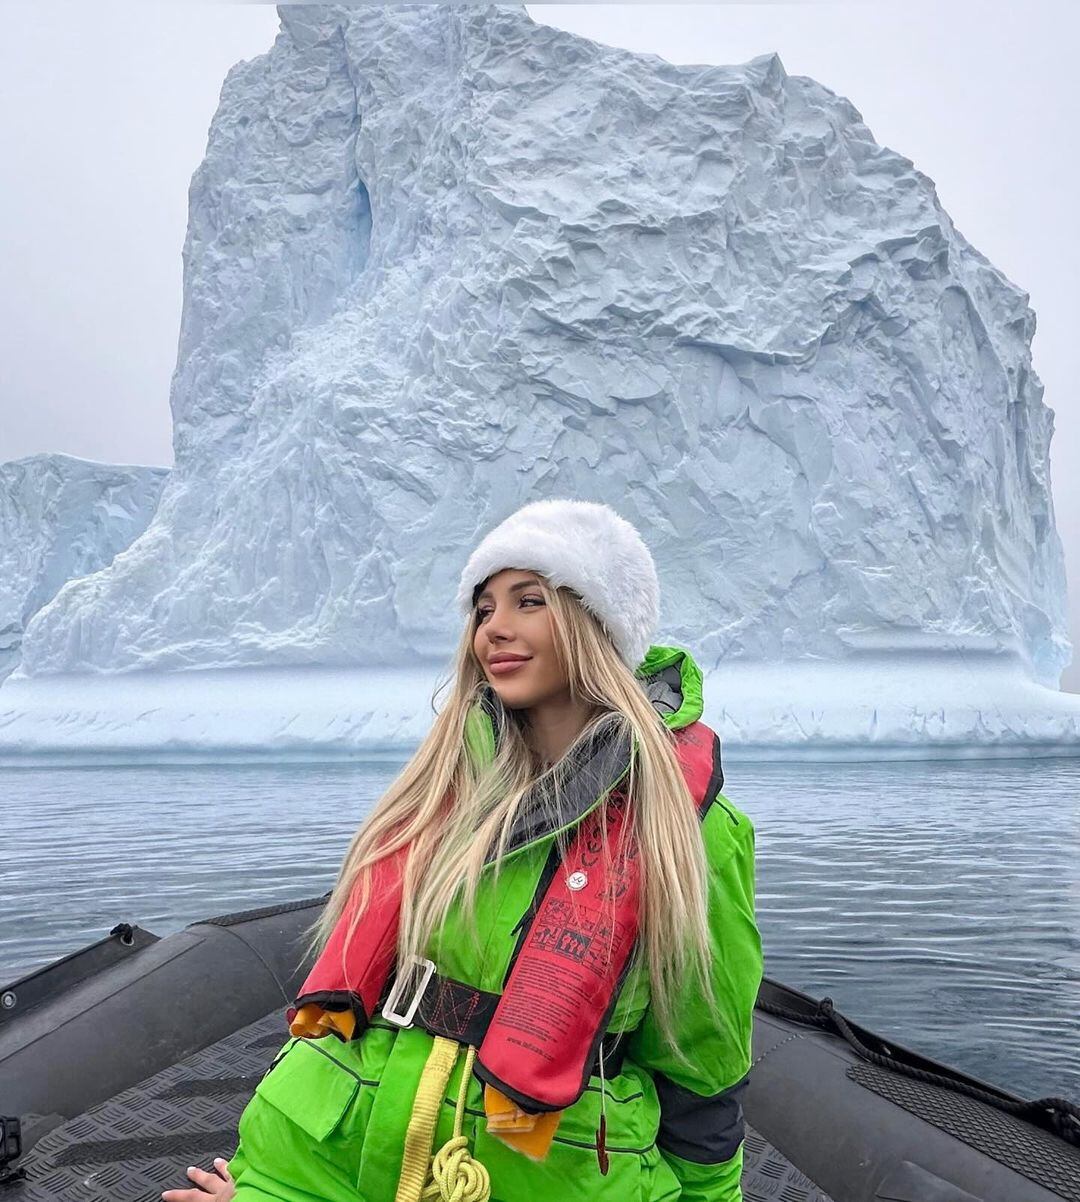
573	954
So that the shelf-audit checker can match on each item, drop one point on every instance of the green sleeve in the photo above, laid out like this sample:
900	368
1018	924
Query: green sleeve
708	1182
238	1162
701	1117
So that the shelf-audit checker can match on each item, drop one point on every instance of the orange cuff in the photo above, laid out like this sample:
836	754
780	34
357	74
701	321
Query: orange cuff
312	1022
530	1134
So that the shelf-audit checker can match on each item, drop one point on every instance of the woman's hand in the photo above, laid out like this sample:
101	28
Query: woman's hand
211	1185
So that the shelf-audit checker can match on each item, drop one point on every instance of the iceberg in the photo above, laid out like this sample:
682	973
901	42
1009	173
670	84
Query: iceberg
442	260
62	517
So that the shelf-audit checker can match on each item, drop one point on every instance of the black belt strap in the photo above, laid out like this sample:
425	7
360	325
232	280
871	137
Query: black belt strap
462	1012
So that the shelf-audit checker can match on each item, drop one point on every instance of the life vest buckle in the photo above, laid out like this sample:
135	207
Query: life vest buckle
401	982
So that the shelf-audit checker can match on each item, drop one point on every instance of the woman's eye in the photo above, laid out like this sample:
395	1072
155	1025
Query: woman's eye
481	613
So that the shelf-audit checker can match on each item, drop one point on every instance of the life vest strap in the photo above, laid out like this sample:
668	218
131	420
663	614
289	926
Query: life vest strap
456	1010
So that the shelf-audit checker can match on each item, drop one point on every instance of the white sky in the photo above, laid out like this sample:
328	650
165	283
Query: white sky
104	110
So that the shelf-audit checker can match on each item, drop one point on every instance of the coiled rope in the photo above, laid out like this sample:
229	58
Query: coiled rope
452	1175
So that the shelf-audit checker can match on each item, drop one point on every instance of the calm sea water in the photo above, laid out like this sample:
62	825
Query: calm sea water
937	903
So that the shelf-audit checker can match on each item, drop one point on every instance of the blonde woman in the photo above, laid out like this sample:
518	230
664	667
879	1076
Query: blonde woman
537	970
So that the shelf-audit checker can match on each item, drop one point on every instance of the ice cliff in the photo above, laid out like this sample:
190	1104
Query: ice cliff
442	260
61	518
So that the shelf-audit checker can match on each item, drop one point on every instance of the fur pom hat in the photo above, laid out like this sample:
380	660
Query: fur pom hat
586	546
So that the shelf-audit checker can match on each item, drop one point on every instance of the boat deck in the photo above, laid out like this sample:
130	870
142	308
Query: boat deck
132	1146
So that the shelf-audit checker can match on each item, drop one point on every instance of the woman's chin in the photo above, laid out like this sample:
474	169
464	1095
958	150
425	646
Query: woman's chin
512	694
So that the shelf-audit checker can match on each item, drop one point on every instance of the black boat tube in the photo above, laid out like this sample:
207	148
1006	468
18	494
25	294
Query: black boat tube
844	1123
87	1026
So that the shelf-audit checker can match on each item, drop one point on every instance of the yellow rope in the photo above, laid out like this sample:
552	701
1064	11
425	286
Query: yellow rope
453	1175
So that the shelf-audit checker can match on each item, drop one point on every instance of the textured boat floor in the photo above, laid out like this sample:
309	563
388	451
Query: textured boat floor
140	1142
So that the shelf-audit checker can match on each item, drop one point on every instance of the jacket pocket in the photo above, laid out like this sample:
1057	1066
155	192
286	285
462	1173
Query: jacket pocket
569	1172
311	1088
629	1103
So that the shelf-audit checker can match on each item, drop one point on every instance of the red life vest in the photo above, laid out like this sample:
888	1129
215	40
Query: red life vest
570	963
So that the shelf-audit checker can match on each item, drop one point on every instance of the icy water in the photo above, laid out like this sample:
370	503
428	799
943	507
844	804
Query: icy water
937	903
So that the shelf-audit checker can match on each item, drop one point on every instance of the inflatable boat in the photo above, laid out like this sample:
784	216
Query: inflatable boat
116	1074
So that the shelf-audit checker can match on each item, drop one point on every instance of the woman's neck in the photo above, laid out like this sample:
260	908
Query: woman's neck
553	726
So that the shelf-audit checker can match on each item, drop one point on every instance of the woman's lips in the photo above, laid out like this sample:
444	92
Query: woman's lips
506	665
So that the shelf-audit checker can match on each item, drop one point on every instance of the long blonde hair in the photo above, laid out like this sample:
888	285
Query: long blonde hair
451	843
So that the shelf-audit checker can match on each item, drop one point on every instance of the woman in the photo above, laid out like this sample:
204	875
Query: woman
572	898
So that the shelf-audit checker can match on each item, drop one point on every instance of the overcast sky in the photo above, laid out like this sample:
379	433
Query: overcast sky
104	110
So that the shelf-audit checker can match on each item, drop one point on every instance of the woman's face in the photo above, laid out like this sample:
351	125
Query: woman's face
514	620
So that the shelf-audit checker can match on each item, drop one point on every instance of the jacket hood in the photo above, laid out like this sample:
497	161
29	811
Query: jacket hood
672	681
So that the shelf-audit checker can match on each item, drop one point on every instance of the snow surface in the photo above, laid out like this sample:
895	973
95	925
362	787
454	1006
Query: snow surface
877	711
442	260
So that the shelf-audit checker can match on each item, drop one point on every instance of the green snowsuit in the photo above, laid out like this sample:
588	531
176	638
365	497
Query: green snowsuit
327	1122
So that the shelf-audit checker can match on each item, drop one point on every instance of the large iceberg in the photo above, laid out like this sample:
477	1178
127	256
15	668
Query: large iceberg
442	260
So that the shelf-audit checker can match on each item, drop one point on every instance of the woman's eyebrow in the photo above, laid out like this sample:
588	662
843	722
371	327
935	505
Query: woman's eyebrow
514	588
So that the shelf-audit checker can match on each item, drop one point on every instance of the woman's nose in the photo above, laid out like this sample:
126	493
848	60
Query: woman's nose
498	623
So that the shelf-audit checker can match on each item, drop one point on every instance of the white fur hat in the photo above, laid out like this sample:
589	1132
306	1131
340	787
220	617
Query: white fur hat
587	546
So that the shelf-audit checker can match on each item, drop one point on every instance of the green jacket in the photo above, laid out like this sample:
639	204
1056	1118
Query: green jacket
328	1120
